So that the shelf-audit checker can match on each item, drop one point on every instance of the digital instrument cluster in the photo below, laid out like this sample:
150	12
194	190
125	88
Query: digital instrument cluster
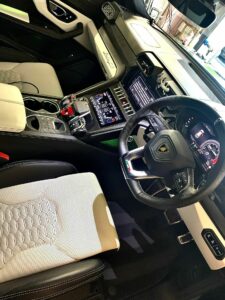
106	109
202	140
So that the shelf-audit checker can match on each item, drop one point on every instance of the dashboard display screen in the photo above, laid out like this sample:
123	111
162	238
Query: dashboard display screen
140	92
205	145
106	110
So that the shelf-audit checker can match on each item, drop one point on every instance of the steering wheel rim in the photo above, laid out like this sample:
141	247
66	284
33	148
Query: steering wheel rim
218	171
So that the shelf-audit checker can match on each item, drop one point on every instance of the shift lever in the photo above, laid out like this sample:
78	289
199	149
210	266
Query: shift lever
75	110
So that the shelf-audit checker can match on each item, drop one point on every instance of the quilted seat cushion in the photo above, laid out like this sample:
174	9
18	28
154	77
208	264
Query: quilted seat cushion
51	223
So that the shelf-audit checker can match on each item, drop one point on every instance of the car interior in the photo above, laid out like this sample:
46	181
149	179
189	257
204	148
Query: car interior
112	155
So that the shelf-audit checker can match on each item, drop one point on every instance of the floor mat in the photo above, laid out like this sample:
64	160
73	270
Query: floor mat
148	247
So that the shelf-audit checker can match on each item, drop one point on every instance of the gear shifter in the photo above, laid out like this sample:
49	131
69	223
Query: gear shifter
77	113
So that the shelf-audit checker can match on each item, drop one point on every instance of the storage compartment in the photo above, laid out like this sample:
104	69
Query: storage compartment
33	123
39	106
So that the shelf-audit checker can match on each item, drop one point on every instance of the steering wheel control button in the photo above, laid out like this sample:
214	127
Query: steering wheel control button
214	244
181	180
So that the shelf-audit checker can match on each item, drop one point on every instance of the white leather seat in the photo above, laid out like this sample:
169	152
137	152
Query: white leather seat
39	75
50	223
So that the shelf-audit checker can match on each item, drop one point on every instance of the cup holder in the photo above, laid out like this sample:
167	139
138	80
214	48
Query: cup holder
33	123
45	124
33	104
46	105
50	107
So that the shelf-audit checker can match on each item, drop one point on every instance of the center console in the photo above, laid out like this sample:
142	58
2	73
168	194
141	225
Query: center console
102	113
109	108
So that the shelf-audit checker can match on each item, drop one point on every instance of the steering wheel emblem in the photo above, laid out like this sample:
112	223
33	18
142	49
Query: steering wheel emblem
163	149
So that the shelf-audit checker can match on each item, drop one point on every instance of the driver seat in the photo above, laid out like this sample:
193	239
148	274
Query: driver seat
51	218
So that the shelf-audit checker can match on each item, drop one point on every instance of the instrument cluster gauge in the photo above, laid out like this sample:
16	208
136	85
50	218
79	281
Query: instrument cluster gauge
201	137
210	151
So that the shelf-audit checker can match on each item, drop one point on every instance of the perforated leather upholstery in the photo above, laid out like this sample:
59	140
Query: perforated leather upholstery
51	223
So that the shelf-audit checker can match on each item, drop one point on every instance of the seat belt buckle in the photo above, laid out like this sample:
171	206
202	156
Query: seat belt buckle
4	158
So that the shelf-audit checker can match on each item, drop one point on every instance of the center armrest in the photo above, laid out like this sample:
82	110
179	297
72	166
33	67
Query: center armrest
12	109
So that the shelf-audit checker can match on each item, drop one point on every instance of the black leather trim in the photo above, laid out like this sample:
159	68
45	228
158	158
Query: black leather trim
53	282
13	55
29	171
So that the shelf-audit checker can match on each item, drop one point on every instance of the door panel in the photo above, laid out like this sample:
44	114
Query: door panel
43	8
75	59
90	39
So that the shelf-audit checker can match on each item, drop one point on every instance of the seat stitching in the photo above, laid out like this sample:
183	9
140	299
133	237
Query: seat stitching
63	292
26	292
30	163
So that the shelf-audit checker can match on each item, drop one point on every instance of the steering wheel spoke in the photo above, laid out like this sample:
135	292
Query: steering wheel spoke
128	169
184	181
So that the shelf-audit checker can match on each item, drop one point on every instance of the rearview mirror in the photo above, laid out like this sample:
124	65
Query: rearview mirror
198	11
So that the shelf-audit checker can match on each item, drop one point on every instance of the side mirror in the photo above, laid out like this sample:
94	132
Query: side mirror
200	12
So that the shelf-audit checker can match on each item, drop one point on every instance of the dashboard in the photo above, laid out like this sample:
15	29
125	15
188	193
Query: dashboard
149	81
154	76
152	68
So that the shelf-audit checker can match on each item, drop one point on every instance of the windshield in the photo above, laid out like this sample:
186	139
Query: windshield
207	45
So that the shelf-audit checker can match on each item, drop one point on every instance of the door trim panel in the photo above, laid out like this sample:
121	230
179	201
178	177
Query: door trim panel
83	39
90	39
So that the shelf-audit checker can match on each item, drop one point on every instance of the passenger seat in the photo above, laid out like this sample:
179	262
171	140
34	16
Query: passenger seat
32	78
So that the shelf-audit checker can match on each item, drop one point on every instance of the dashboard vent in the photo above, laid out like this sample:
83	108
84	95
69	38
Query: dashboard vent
123	100
149	63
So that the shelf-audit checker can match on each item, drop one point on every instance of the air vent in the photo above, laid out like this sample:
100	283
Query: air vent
149	63
123	100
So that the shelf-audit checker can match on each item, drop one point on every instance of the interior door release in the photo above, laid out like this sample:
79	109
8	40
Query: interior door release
60	12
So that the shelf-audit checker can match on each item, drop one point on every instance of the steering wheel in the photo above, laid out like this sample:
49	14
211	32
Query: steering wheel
169	157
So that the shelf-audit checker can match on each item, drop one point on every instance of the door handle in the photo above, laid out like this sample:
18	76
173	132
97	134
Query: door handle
56	9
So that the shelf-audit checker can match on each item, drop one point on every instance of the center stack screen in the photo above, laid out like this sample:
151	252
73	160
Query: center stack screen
139	88
140	92
106	109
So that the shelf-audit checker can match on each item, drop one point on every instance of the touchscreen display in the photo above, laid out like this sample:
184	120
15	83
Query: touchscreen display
140	92
106	109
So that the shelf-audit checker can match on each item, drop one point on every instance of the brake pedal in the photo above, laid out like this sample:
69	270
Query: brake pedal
185	239
172	217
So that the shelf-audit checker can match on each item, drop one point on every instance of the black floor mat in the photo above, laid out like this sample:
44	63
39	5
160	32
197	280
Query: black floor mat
148	248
